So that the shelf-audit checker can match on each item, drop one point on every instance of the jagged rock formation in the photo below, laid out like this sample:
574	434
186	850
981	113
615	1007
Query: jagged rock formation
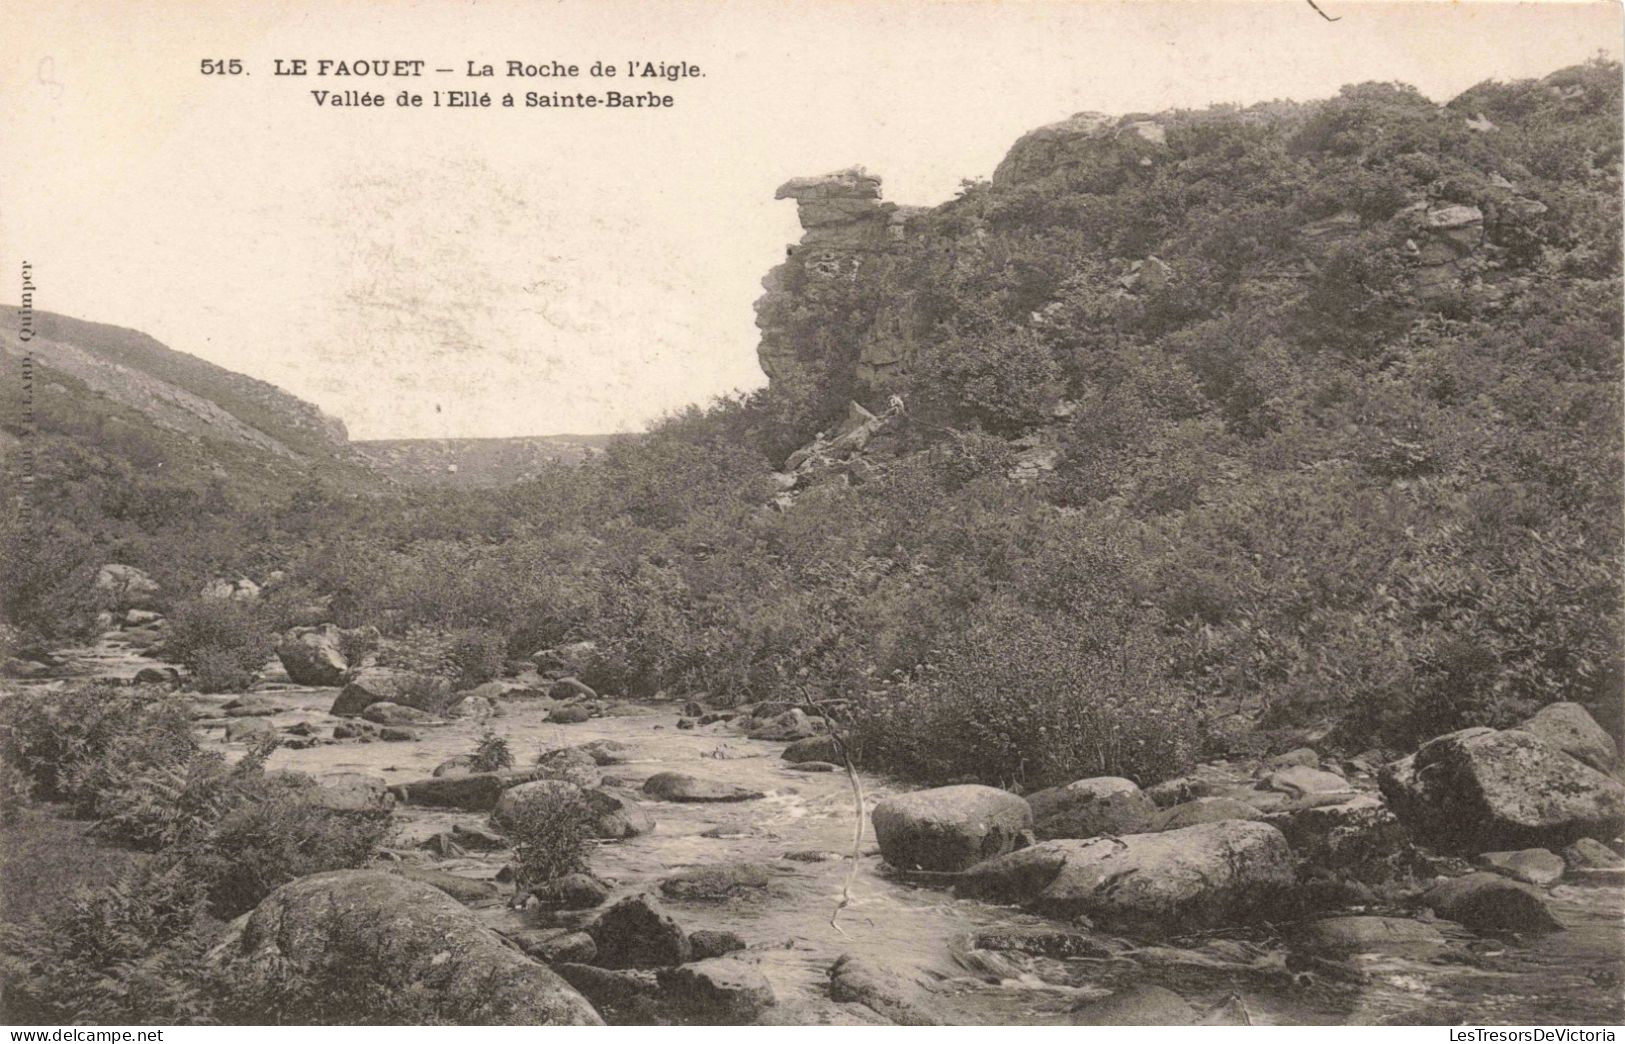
847	227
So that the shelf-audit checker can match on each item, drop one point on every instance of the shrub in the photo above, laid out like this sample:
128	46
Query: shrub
477	656
273	831
492	754
1022	697
224	642
70	745
426	692
126	953
551	839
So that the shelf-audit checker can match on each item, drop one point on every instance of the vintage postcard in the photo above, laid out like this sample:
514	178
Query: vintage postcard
673	513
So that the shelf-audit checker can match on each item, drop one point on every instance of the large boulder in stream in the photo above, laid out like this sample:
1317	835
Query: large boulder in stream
1092	807
316	655
638	933
675	786
1478	790
369	686
949	828
1196	877
393	939
615	814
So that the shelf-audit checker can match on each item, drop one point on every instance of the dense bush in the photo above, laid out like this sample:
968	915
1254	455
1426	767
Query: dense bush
551	839
225	642
477	656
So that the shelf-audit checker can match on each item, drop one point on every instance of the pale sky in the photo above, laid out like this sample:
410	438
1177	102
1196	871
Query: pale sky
435	272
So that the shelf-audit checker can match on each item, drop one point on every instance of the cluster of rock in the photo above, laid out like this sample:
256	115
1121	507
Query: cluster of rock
1471	827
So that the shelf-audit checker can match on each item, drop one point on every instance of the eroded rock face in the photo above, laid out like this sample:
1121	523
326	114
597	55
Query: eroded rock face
399	935
1200	876
846	226
1478	789
949	828
857	981
1092	807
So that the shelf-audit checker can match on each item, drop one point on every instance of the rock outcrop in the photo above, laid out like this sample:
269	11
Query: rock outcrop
1091	807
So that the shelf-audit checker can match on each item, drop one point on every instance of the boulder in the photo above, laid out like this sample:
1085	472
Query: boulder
606	751
1143	1005
157	676
637	933
788	726
386	713
572	892
313	655
1048	940
476	792
617	815
1301	781
222	589
477	839
1590	854
1479	789
707	943
1489	901
630	996
571	689
369	686
857	981
812	766
393	938
1534	866
675	786
554	945
576	766
721	991
1196	877
1569	727
949	828
521	804
1090	808
1344	937
813	748
456	765
250	706
248	730
126	587
570	658
574	714
716	883
462	889
141	617
353	792
397	734
1203	810
1358	838
1301	757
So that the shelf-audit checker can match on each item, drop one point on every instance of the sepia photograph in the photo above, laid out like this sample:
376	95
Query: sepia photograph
908	513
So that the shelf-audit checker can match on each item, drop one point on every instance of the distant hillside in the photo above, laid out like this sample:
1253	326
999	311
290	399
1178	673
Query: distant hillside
109	397
475	463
